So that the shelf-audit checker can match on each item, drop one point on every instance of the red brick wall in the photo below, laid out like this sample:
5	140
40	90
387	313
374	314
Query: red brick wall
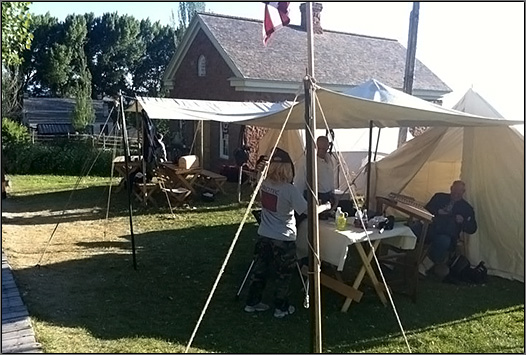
215	86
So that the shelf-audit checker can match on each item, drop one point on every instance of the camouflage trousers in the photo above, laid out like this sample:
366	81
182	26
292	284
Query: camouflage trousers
272	254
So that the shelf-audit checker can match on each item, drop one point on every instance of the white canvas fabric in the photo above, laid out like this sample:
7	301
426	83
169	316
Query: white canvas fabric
491	163
338	109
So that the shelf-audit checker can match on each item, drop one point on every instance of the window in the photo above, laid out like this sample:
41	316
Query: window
201	66
223	141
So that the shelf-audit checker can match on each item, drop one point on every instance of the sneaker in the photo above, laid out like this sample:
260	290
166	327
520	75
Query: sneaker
278	313
260	307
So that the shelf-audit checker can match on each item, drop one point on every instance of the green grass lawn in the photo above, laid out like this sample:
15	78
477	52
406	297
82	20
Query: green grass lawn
87	297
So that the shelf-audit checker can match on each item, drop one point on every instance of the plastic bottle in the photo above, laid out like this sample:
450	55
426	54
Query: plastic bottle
340	219
358	218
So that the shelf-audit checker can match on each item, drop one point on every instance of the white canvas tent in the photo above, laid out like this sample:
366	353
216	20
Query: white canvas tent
339	110
490	161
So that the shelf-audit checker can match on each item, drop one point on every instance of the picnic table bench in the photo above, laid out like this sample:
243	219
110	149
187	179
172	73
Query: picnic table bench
210	181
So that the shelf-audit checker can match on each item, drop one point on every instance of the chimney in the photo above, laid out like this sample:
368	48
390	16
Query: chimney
316	11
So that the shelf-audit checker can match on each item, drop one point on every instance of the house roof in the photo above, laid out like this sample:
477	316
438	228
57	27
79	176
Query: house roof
44	110
341	59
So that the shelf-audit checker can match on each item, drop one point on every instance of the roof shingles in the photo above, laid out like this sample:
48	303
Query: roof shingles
339	58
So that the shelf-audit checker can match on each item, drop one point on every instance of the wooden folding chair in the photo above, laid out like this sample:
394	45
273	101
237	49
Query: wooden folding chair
176	194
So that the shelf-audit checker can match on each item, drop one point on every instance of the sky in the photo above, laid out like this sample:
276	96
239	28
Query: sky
467	44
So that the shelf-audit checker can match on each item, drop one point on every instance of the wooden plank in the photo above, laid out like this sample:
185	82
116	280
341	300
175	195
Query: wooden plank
25	340
337	286
17	334
22	348
13	325
14	315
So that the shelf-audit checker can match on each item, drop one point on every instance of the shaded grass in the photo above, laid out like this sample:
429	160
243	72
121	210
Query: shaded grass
87	297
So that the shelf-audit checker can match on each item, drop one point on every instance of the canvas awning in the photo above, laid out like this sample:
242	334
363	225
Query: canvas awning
340	110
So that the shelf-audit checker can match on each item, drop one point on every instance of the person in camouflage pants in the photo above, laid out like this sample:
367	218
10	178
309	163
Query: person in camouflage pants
272	254
276	246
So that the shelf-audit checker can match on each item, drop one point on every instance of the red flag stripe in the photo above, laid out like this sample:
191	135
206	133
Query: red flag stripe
270	24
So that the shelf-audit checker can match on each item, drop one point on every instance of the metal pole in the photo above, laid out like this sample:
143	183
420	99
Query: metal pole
410	62
312	198
128	182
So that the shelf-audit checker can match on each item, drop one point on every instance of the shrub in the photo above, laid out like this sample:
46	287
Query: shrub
14	133
62	158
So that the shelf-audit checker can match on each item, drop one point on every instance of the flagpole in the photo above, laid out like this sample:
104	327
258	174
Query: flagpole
312	198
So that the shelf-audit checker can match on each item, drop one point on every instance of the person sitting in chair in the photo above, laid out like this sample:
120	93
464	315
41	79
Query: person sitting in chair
453	215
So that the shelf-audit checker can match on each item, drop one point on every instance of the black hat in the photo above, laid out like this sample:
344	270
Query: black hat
281	156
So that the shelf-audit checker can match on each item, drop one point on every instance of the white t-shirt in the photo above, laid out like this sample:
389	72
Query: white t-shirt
279	201
325	174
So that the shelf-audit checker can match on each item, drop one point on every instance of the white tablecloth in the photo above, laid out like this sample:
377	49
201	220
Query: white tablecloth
334	244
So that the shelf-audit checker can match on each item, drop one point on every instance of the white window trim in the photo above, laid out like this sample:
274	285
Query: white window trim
201	66
223	138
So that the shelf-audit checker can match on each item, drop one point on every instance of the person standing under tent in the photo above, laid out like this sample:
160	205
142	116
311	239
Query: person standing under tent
453	215
277	235
325	167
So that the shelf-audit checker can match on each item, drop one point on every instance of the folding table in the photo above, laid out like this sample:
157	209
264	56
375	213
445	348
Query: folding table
334	247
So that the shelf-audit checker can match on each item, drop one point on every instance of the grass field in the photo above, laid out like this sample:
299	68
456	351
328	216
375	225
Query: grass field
84	295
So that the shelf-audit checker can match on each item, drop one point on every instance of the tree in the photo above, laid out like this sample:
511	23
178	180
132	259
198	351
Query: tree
16	37
186	12
83	114
147	75
114	50
47	32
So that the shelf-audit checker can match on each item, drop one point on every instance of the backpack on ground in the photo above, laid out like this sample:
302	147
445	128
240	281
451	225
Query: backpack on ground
460	270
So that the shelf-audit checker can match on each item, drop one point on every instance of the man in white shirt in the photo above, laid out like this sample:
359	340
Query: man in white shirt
325	165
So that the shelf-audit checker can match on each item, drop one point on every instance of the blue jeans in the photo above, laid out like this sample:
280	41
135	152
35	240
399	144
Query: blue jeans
441	245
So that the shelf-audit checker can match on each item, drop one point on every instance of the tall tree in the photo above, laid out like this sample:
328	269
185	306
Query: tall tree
16	37
186	12
114	50
147	76
47	32
75	39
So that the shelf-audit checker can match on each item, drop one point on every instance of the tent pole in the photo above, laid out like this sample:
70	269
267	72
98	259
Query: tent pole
366	204
128	182
142	148
202	144
377	143
410	62
312	198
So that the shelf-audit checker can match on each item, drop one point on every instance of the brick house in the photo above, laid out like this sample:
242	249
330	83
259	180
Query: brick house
223	58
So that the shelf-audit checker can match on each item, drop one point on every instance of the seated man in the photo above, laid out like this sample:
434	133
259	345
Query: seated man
453	215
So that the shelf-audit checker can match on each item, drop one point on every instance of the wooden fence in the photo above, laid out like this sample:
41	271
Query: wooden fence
103	141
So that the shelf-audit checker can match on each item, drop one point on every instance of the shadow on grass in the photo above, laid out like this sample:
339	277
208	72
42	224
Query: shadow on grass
91	203
164	297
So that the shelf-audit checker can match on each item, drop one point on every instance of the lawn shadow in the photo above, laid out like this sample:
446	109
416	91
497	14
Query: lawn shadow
177	268
91	203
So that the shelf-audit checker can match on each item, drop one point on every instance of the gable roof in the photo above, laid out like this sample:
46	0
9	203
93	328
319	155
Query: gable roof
342	60
43	110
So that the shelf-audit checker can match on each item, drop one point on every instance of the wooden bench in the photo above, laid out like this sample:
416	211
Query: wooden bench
210	181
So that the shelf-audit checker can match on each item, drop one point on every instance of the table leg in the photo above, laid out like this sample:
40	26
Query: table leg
185	183
366	267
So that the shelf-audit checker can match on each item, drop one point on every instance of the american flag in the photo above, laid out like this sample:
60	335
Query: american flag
276	16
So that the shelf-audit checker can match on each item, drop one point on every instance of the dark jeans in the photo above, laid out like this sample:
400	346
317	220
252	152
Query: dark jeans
440	244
